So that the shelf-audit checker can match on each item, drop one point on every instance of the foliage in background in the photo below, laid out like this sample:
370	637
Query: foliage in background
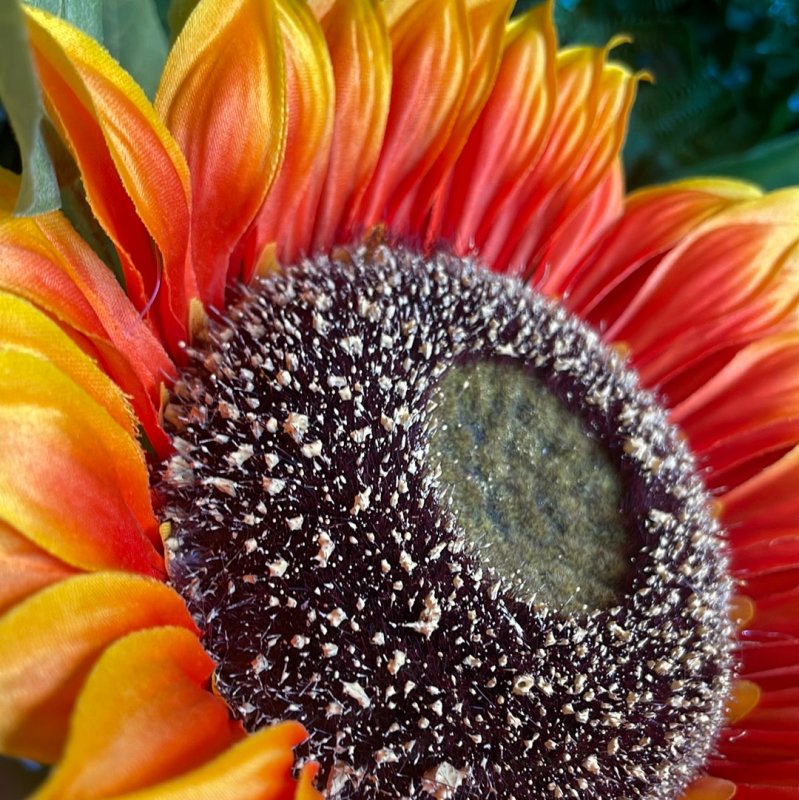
726	92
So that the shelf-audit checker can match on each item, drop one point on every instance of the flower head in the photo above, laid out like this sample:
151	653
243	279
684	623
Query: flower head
307	219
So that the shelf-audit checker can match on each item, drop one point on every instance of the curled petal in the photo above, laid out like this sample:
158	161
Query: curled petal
145	715
25	568
508	136
71	479
43	260
135	176
430	52
360	51
287	216
49	643
222	95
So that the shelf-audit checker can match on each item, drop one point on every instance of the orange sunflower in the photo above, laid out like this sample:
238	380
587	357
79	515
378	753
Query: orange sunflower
317	221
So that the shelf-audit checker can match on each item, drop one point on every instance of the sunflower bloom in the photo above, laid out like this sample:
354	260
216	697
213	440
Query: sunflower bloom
330	207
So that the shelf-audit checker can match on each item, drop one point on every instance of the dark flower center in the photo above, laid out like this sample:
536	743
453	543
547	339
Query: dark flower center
335	583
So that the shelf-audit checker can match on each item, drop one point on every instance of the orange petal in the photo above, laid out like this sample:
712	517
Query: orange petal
707	788
507	138
135	176
222	95
71	479
732	279
144	715
25	568
744	697
49	642
257	768
486	20
287	216
654	221
430	56
43	260
306	789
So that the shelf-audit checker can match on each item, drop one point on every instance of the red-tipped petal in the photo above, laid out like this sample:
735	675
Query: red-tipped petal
508	136
222	95
287	216
43	260
360	52
430	53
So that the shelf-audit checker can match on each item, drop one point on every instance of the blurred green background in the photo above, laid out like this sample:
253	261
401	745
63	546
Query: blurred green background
725	101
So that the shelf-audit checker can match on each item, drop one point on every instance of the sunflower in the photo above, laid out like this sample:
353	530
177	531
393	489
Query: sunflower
236	561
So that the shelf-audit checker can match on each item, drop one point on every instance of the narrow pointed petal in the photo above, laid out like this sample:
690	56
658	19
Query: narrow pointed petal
43	260
430	52
508	136
135	176
71	479
732	279
25	568
360	51
145	715
222	95
486	20
49	643
257	768
287	215
749	406
588	127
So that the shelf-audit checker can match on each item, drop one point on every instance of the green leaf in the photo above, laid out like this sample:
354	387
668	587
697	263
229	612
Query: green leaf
179	11
134	36
772	165
19	91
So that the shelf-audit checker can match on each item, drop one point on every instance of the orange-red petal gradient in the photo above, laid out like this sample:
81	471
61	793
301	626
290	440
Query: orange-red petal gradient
287	215
145	715
508	136
223	97
486	20
360	52
49	643
134	174
43	260
71	479
430	56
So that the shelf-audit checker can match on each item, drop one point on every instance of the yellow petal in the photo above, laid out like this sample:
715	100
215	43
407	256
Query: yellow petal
71	479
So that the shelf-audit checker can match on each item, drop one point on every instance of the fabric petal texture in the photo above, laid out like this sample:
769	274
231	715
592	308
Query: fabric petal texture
285	130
